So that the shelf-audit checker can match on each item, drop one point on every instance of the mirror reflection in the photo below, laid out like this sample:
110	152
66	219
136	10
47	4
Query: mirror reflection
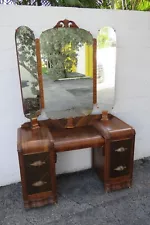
106	66
27	64
67	70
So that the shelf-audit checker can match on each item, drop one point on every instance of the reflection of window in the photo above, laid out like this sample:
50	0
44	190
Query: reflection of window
106	38
106	68
106	56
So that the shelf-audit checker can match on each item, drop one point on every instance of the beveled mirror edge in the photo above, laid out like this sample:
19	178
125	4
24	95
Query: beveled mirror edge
19	68
67	24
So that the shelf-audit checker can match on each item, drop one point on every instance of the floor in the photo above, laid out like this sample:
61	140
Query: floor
82	201
72	98
67	98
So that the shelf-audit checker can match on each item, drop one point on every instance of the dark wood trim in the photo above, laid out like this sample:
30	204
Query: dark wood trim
23	176
39	69
132	156
106	160
53	159
94	71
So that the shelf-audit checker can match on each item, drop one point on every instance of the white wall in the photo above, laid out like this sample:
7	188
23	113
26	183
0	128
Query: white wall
132	102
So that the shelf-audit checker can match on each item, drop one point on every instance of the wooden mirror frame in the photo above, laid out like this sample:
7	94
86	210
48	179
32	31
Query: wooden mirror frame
66	24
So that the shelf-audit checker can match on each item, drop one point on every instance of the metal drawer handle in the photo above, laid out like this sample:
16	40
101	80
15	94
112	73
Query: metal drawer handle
122	149
37	163
120	168
39	183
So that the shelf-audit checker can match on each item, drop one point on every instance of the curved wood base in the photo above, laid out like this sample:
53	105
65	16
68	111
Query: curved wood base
117	186
39	203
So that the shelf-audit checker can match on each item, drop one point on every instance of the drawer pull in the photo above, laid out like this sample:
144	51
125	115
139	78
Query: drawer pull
37	163
39	183
120	168
122	149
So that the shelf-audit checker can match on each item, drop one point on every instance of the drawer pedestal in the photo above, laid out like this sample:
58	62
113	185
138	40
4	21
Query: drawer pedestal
37	167
112	142
114	163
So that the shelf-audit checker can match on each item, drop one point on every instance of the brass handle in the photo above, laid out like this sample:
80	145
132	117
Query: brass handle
39	183
122	149
120	168
37	163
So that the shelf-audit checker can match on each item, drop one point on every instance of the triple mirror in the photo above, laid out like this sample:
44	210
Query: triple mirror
67	70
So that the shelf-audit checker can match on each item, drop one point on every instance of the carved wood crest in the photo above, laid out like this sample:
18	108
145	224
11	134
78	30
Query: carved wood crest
66	24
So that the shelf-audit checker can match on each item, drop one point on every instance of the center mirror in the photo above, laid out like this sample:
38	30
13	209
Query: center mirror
67	71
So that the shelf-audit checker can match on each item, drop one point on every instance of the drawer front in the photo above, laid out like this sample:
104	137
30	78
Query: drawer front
120	153
37	170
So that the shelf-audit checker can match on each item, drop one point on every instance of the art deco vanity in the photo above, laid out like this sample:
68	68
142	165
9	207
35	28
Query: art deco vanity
66	92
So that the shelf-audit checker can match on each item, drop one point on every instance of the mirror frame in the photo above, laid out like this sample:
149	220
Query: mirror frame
67	24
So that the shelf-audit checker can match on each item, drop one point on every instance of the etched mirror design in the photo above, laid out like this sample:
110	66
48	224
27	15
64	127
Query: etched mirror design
106	68
67	71
27	65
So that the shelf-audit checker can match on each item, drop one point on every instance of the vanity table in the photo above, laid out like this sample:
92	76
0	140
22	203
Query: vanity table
39	141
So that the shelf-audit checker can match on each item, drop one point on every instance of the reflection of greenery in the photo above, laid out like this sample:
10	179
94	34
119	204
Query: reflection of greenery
44	69
60	46
31	106
25	41
26	50
104	40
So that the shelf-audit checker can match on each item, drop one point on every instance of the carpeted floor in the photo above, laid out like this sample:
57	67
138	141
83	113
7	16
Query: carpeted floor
82	201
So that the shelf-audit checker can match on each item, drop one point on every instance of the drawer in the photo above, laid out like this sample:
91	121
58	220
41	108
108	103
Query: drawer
120	154
37	162
37	171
